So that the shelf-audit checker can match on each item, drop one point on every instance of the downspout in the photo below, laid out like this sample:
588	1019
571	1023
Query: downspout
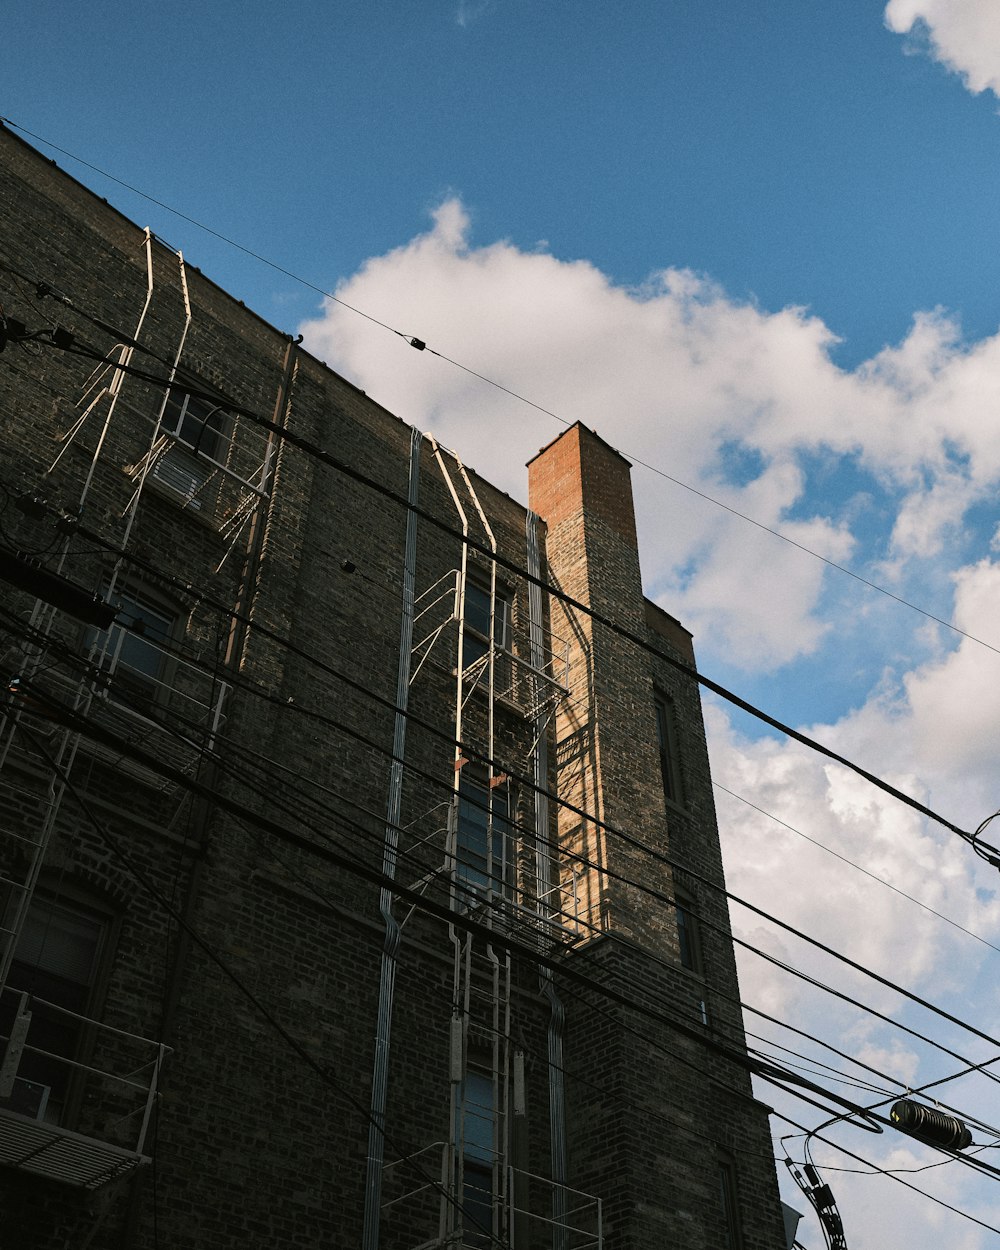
557	1014
390	946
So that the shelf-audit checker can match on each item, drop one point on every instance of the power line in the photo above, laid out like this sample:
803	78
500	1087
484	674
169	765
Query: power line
851	863
784	1076
661	897
645	848
421	345
983	849
351	864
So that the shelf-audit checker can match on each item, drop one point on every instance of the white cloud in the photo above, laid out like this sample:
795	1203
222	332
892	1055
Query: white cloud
747	405
673	373
963	35
469	11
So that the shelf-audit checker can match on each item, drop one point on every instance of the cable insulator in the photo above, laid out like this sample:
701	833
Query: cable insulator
929	1125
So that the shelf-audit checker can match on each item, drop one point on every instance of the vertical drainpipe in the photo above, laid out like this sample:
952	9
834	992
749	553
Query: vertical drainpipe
557	1015
390	946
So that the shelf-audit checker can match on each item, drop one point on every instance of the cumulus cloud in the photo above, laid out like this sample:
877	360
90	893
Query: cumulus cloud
747	405
684	378
963	35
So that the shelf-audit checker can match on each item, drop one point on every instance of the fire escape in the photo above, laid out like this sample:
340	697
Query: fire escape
148	706
469	1187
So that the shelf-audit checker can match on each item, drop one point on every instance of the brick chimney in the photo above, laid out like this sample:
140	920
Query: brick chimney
607	758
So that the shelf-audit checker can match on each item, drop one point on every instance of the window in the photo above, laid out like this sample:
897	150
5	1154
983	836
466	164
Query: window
667	741
483	831
195	421
139	638
474	1138
477	620
688	932
733	1239
57	961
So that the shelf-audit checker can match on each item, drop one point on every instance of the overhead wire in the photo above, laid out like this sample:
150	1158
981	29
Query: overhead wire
851	863
766	1070
421	345
876	1170
771	1075
976	835
566	973
983	849
663	898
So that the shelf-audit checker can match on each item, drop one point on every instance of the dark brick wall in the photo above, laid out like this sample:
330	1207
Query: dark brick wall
251	1144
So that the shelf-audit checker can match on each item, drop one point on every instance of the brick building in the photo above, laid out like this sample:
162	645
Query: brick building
360	869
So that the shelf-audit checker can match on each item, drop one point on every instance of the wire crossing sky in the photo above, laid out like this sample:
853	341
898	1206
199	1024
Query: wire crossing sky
753	246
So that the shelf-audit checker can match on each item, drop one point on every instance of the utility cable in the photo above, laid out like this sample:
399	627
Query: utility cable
984	849
661	897
796	1081
240	985
352	863
852	864
66	716
876	1170
421	345
668	900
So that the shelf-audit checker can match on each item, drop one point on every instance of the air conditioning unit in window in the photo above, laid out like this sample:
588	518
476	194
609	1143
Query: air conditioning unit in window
181	474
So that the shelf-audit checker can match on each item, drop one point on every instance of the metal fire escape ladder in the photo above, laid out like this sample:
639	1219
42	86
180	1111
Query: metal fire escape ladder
108	388
47	1150
481	976
41	620
390	947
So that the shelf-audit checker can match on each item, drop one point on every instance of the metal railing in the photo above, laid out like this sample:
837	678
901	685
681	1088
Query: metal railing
105	1089
421	1208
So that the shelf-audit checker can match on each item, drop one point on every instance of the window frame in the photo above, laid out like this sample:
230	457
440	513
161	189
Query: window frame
480	638
75	903
729	1202
689	938
484	869
139	687
204	420
475	1159
668	746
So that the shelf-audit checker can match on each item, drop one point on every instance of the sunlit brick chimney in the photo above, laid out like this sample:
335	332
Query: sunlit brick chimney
607	760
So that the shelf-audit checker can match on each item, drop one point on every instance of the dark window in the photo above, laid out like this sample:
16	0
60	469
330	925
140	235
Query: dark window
730	1210
667	741
688	932
139	638
477	621
476	1154
483	830
195	421
56	961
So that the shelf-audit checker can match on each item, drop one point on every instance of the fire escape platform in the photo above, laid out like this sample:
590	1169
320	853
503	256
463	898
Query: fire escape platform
57	1154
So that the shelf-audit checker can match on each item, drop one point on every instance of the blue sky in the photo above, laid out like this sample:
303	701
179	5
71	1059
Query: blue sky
754	245
789	149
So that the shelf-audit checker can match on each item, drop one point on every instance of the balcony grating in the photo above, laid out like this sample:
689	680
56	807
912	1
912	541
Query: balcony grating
57	1154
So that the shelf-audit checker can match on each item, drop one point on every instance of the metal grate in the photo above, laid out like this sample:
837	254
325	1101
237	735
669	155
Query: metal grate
59	1155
